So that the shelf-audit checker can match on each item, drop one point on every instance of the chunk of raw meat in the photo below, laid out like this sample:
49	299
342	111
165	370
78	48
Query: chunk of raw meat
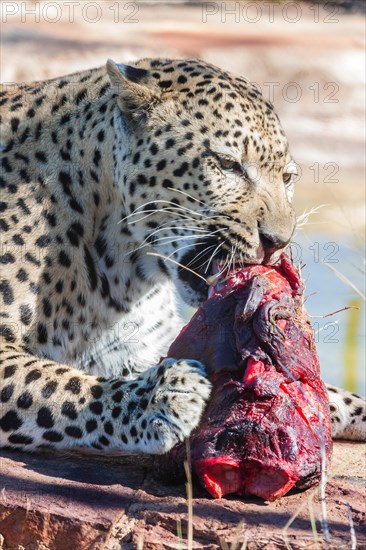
267	426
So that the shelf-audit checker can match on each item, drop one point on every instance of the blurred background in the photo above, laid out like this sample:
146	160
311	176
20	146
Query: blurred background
308	58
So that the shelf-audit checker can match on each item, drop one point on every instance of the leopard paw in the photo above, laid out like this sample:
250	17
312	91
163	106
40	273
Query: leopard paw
176	403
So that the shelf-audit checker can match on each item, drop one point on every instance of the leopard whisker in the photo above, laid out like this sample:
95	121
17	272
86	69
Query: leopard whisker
181	215
182	227
162	228
177	263
170	239
197	200
146	244
162	201
147	213
200	254
212	256
187	246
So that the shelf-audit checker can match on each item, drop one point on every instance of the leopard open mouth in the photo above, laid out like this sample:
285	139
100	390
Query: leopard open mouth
200	267
195	267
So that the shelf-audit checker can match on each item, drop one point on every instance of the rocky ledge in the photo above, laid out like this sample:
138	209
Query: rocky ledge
68	502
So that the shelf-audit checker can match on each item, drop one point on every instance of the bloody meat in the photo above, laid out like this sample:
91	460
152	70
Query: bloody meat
266	426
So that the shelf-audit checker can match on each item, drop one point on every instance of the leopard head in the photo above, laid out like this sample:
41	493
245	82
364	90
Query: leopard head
207	174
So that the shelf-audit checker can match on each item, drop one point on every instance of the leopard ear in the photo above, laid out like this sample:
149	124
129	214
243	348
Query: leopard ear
134	86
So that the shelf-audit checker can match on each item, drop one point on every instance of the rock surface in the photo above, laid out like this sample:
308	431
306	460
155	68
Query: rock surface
64	502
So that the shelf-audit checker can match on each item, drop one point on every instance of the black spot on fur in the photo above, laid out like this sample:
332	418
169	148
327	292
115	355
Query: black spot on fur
179	172
74	431
59	286
75	231
7	333
62	371
6	289
49	389
100	245
47	308
117	397
68	409
9	371
25	400
25	314
96	391
108	428
91	425
96	407
92	274
6	393
10	421
53	436
32	376
165	84
7	258
64	259
45	418
42	334
116	411
20	439
73	385
40	155
14	123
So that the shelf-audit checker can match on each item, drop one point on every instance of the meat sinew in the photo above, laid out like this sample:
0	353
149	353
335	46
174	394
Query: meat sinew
267	424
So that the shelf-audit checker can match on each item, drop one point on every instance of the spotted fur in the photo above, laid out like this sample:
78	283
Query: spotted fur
107	175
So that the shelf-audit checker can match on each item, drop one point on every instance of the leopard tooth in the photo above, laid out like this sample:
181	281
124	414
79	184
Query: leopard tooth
213	278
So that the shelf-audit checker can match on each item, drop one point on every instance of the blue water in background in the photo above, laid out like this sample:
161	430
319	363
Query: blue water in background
332	294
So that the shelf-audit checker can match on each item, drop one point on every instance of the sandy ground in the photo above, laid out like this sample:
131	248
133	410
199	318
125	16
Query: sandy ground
66	502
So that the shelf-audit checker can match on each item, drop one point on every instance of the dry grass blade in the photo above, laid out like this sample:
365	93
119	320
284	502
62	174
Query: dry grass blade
179	535
303	219
344	279
223	544
351	528
140	543
333	313
340	275
235	544
285	529
189	490
313	523
245	542
323	484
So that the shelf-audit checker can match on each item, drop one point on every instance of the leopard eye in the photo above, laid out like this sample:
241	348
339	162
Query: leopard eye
230	165
288	173
287	177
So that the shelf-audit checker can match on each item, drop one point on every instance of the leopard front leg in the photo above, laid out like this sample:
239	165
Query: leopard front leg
44	403
348	414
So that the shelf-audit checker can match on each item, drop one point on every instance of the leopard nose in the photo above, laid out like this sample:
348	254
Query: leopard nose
271	243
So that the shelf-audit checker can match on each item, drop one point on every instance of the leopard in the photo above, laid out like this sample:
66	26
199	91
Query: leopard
121	186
